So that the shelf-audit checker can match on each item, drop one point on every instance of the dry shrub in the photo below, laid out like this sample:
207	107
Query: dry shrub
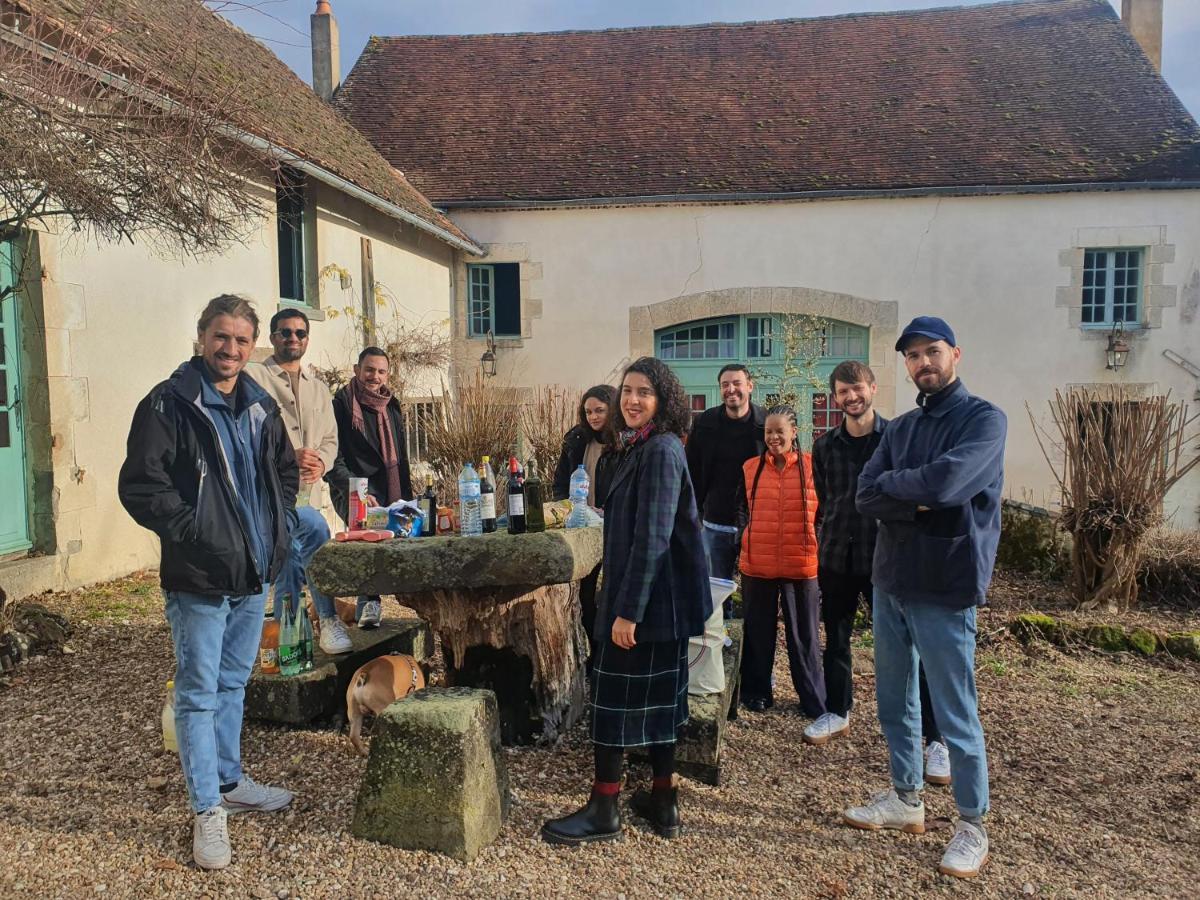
479	418
1117	456
545	419
1169	570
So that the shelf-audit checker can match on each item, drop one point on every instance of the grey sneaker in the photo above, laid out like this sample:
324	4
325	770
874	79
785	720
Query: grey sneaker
937	763
371	615
334	639
249	796
967	851
210	839
827	727
887	810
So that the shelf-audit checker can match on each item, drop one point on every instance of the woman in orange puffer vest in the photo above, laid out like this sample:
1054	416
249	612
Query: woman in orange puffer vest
779	562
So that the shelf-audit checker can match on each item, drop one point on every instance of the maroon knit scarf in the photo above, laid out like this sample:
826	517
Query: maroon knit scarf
361	396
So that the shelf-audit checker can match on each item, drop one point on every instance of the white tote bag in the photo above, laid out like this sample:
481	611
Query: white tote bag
706	666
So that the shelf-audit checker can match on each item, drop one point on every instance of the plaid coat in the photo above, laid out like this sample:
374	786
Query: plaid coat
655	570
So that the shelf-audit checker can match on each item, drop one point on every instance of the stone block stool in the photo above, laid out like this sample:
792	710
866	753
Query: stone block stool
436	778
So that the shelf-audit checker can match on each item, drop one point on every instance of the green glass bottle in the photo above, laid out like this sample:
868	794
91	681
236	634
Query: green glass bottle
535	516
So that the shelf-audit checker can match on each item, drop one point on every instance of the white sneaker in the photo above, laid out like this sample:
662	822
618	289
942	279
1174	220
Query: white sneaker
827	727
887	810
210	839
967	851
937	763
334	639
371	615
249	796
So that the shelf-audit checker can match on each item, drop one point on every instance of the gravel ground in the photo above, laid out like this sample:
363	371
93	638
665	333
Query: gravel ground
1094	761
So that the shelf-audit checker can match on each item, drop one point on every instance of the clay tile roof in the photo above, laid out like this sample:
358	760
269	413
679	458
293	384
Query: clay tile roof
1044	92
183	43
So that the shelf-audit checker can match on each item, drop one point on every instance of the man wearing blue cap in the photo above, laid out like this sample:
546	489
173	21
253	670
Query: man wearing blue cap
934	485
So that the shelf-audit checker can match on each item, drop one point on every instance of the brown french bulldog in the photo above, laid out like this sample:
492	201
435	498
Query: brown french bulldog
375	686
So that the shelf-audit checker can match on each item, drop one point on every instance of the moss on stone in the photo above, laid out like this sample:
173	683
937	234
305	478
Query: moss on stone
1144	641
1185	645
1028	626
1107	637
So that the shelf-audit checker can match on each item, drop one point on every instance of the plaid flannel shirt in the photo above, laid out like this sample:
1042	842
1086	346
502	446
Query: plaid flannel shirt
845	536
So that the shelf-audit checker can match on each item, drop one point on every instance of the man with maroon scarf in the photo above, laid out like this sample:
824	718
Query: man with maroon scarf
371	445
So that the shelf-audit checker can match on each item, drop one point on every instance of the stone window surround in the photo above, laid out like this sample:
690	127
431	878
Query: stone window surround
881	317
530	273
1156	296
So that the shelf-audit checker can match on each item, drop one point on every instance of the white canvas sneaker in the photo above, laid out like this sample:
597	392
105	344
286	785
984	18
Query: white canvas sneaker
249	796
937	763
887	810
334	639
210	839
967	851
371	615
827	727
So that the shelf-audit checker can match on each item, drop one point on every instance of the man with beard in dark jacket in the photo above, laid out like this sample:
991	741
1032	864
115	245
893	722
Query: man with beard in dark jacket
210	470
371	445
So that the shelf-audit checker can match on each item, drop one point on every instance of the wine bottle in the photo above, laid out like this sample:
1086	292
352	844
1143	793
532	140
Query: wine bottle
516	498
487	492
535	516
428	509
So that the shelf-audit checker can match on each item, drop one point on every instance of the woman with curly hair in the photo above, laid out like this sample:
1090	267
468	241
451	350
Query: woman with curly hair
655	596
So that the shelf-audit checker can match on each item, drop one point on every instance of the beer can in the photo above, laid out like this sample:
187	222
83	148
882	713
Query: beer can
358	503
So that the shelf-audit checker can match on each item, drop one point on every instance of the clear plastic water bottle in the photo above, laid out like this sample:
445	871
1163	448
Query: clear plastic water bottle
470	521
580	483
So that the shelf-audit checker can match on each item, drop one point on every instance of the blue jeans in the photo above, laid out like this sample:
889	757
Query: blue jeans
944	640
309	534
216	642
722	550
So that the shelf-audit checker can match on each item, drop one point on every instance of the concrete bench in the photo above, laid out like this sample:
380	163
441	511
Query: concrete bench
698	750
321	692
436	778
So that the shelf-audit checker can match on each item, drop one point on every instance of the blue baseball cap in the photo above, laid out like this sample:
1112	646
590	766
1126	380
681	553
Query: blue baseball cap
926	326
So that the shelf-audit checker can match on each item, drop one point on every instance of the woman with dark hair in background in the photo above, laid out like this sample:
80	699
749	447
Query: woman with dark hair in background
779	562
655	596
584	445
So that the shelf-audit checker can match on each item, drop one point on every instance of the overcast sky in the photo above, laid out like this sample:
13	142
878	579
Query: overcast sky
283	24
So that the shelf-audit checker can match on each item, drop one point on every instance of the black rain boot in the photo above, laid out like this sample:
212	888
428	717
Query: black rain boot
599	820
660	808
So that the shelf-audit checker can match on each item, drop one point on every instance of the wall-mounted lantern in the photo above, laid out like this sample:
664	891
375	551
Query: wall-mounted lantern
487	362
1118	348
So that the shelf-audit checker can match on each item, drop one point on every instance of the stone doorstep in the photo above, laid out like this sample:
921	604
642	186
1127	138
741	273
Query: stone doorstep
321	692
698	751
436	778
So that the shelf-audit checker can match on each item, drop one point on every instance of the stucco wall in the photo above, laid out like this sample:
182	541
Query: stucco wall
119	318
999	269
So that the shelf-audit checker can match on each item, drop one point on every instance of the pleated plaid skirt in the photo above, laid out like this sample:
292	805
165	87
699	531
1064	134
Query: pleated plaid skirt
639	696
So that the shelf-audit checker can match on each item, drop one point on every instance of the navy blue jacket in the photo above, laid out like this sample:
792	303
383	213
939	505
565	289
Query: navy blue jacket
948	456
655	570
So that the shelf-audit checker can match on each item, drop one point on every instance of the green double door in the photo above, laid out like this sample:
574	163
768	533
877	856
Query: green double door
14	512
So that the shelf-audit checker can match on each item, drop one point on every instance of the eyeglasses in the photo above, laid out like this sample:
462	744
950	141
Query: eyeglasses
286	333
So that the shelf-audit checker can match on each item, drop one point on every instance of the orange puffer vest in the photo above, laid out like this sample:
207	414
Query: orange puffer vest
780	540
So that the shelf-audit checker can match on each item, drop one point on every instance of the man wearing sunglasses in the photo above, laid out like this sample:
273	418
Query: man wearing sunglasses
307	412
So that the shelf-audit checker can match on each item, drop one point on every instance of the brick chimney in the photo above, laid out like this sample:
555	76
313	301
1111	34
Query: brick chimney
1143	18
326	57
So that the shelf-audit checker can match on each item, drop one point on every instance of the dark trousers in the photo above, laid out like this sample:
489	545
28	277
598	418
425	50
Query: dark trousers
587	610
840	594
761	599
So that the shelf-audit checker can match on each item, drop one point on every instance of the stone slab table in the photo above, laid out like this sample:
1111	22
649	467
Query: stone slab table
506	608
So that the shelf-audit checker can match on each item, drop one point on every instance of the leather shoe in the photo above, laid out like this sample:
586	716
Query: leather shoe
758	704
660	808
599	820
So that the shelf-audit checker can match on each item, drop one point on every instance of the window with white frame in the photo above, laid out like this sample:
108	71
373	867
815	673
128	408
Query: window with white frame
418	421
758	337
494	300
293	229
710	341
1112	286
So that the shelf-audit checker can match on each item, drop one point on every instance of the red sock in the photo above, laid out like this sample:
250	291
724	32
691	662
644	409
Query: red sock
606	788
662	782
